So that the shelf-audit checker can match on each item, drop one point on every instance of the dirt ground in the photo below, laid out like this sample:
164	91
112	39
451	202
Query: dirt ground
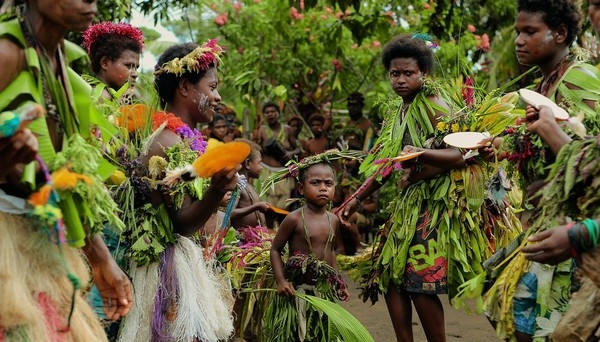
460	326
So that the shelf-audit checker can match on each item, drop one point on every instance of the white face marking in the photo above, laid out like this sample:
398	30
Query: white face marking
203	103
548	38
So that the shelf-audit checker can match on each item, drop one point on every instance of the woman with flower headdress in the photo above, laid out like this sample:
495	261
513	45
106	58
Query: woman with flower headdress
114	50
180	298
41	272
435	238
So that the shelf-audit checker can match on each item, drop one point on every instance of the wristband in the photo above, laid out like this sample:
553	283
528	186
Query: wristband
592	229
572	233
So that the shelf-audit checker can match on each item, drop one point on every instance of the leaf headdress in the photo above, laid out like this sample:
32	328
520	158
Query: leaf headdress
293	167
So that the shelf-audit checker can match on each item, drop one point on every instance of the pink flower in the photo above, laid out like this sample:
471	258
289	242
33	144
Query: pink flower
426	6
485	43
295	14
471	28
221	19
237	6
468	93
376	44
293	170
328	9
302	5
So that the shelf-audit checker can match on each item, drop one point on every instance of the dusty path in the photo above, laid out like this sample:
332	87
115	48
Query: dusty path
460	326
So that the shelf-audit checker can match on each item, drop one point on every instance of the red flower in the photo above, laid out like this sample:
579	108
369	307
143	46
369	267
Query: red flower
173	122
468	93
485	43
221	19
100	31
295	14
337	64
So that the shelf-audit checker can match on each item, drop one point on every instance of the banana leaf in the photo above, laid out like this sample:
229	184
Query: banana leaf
349	328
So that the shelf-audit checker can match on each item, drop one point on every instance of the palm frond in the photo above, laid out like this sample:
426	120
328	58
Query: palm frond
349	328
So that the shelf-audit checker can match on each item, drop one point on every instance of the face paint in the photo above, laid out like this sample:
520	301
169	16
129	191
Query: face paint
203	103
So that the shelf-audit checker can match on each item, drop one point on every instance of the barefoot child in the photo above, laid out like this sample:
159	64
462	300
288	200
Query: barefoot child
310	234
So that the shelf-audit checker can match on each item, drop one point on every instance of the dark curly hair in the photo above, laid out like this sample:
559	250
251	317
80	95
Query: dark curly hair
111	47
111	40
271	104
405	46
555	13
358	97
216	117
166	83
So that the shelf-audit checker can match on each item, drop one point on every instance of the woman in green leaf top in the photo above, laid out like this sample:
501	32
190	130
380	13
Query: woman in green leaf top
415	260
545	32
41	276
572	191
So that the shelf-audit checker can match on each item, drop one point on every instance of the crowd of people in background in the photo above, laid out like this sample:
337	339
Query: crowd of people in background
177	212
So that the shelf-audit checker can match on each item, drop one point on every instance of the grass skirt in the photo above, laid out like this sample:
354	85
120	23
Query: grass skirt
180	298
35	290
581	322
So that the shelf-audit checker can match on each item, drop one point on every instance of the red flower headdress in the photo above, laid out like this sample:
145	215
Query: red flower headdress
202	58
107	28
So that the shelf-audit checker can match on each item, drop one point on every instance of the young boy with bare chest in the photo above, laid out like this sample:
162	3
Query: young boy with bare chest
310	234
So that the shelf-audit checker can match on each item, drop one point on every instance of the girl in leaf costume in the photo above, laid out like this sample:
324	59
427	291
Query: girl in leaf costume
41	274
114	50
180	297
436	237
527	294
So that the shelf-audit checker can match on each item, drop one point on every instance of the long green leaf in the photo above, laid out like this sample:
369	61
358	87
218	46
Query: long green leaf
350	329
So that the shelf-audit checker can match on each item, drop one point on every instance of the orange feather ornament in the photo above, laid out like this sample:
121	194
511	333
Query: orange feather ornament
222	157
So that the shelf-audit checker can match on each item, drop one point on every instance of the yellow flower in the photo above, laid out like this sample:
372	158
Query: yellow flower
117	177
441	126
456	175
63	179
455	127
